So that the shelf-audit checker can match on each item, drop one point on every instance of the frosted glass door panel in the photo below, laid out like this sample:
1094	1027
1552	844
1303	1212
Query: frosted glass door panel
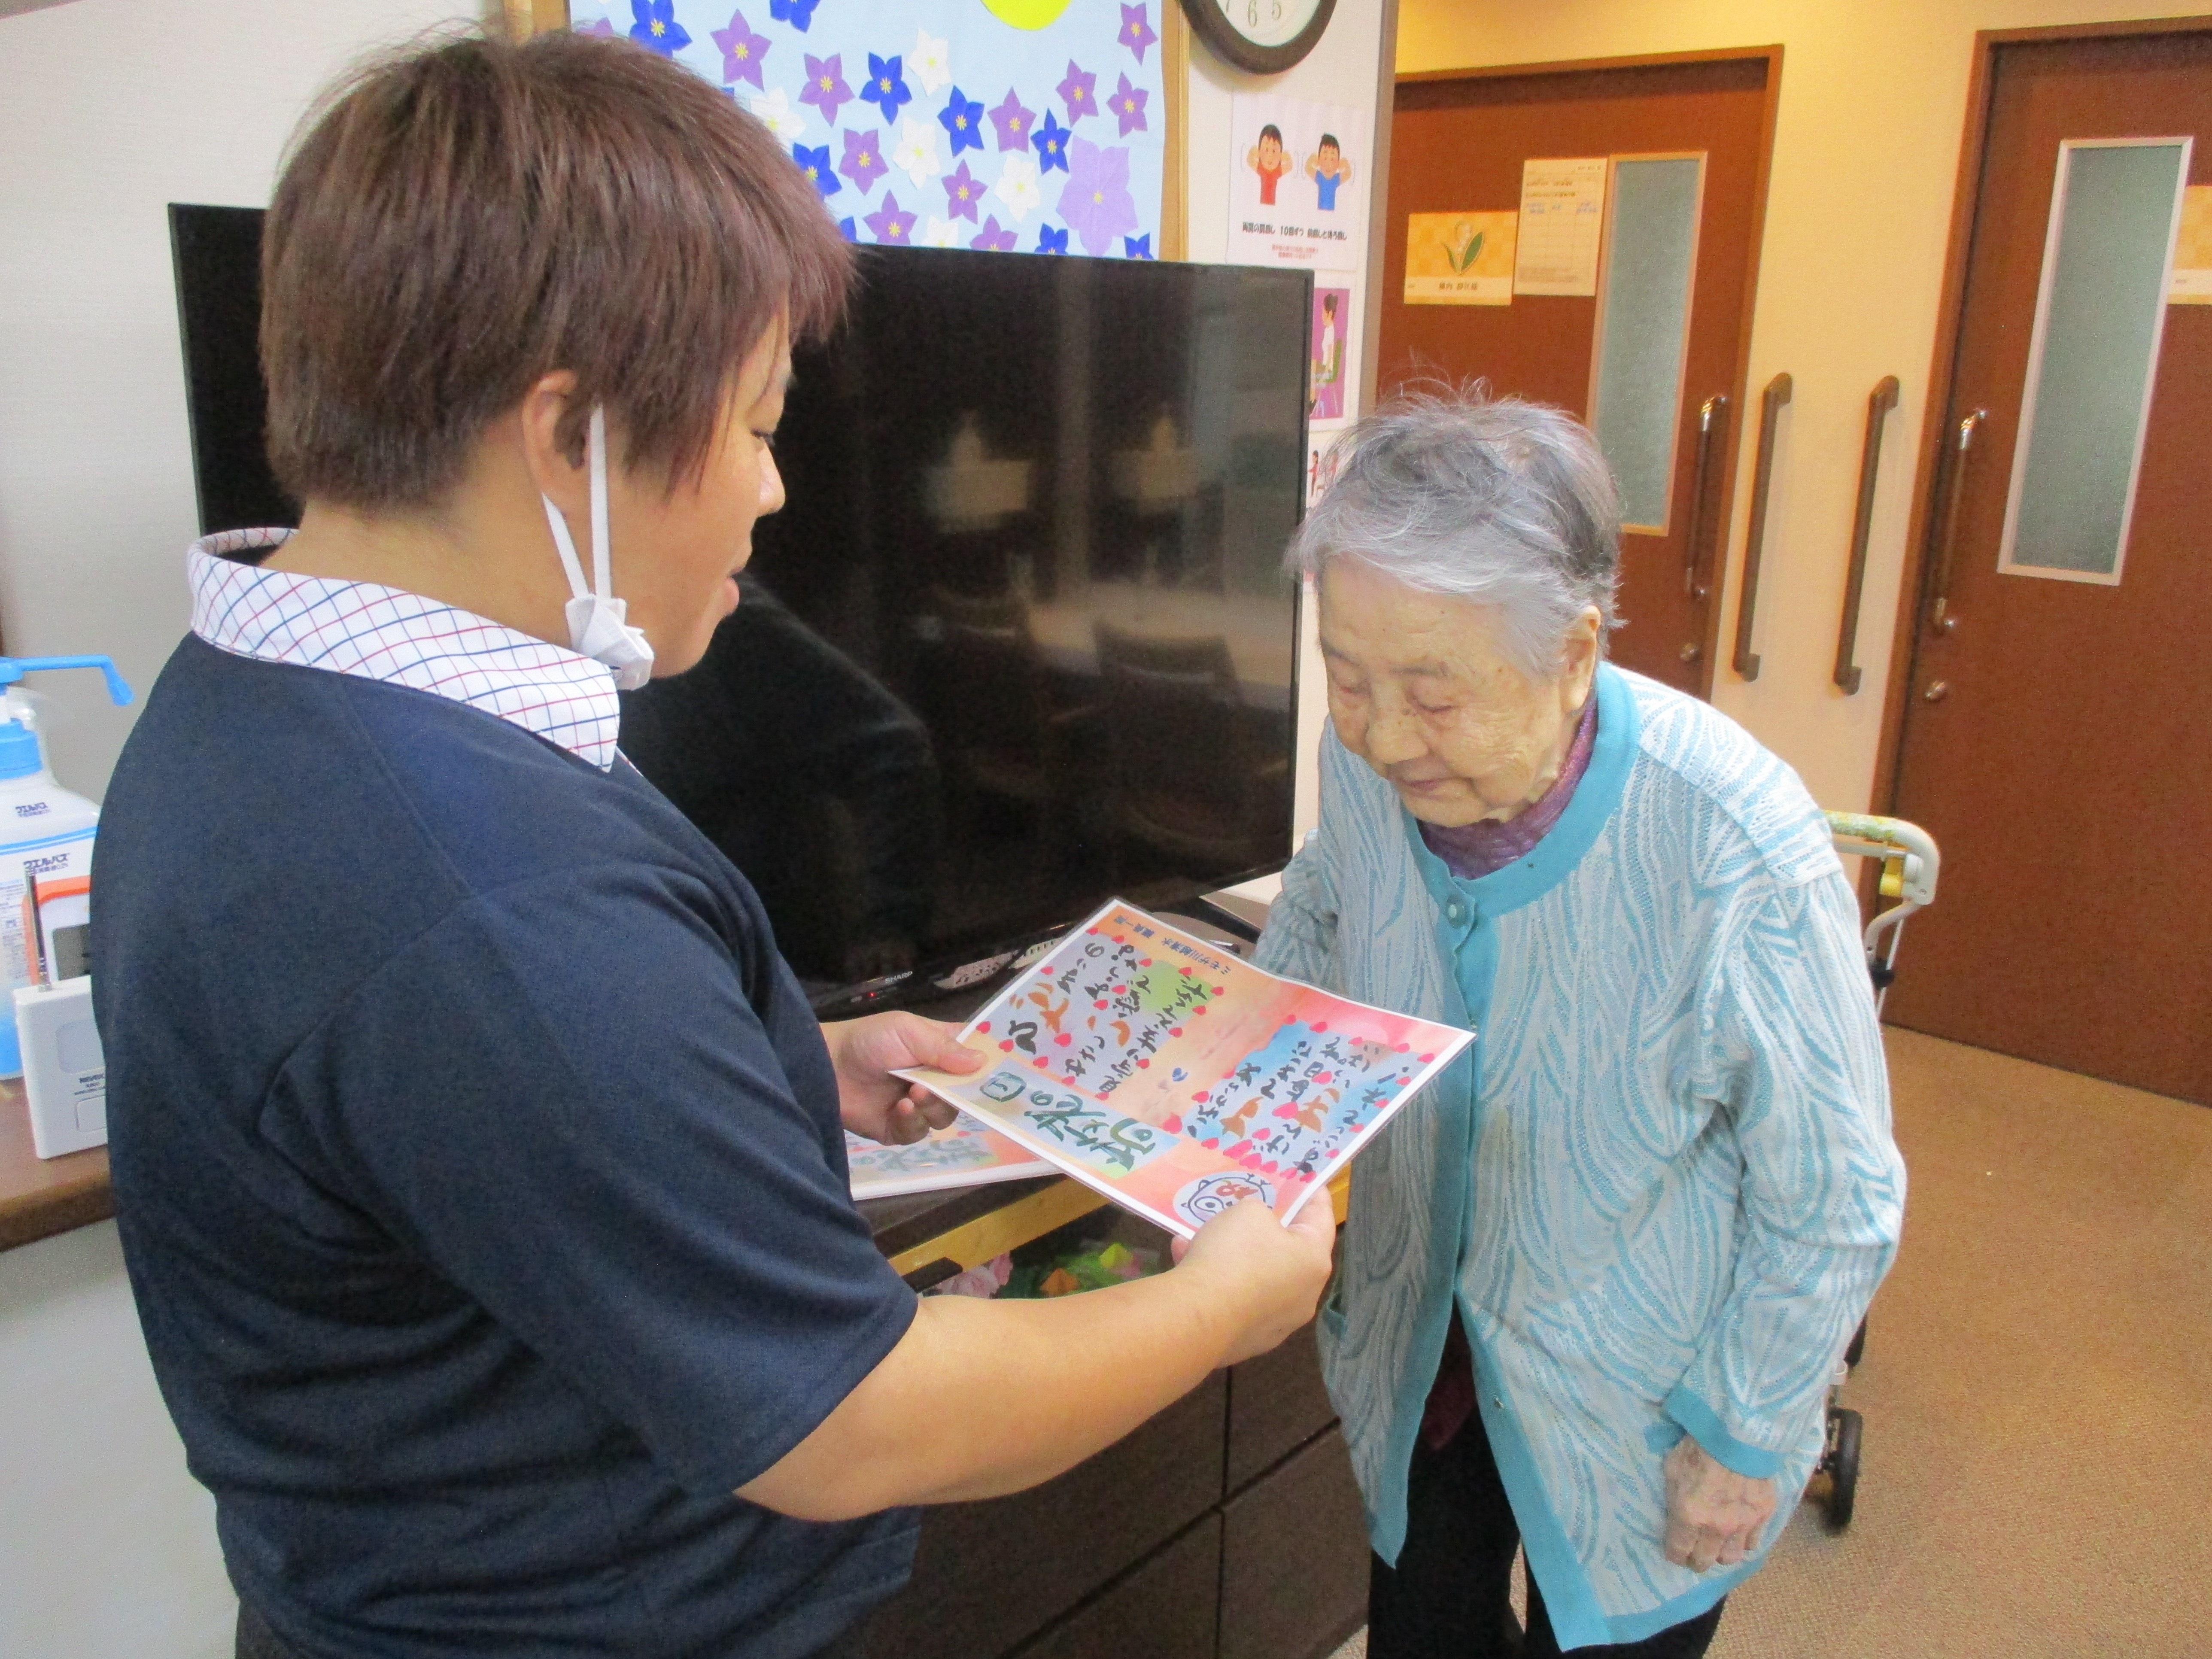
1644	318
2093	357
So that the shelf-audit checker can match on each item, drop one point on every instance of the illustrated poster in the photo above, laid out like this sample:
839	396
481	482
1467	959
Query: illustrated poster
1178	1079
1327	349
965	1153
1297	183
940	122
1460	258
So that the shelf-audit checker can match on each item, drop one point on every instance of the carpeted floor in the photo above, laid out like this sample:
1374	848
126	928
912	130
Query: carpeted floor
2037	1476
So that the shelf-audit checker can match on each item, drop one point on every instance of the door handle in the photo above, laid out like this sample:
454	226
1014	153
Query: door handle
1880	402
1711	414
1939	618
1746	660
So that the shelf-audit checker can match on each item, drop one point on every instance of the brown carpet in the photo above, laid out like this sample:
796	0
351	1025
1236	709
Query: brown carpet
2037	1476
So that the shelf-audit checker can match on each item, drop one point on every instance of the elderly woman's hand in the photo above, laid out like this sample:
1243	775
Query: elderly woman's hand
1714	1515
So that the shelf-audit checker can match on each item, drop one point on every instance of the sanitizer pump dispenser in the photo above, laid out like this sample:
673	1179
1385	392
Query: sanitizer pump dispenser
45	830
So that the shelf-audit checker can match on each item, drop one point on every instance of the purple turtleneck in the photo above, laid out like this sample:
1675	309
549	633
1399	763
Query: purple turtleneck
1474	850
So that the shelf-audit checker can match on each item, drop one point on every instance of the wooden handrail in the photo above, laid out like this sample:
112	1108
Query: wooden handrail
1746	660
1880	402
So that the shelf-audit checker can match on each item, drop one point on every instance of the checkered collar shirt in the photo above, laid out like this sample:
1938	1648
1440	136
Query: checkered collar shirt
402	639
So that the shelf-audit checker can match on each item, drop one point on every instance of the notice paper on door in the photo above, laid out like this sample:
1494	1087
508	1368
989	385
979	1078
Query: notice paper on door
1178	1079
1562	224
1459	258
2191	281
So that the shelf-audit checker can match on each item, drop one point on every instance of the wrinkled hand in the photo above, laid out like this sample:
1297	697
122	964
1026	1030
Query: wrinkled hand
1714	1516
878	1105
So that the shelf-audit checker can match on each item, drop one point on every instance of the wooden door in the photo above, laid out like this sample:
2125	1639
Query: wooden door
1457	143
2054	731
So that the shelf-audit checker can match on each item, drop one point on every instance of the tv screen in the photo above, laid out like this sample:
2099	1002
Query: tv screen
1018	641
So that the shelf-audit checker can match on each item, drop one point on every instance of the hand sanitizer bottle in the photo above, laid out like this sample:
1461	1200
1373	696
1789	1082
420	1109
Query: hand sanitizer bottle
45	830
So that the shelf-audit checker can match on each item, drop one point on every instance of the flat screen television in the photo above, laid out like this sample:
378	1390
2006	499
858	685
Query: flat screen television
1019	640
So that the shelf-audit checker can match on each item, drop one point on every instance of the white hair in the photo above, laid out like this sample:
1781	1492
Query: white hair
1491	499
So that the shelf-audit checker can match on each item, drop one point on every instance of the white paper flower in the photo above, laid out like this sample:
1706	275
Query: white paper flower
942	233
931	61
917	154
1018	184
774	108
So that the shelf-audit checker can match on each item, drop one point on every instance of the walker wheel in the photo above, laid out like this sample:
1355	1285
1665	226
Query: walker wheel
1842	1463
1857	1350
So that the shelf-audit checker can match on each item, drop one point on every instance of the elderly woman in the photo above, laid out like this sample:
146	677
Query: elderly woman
1596	1279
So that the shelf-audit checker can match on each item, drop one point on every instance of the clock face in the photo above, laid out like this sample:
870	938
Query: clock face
1268	22
1264	37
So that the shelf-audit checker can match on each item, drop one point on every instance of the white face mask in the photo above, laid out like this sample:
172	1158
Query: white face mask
596	628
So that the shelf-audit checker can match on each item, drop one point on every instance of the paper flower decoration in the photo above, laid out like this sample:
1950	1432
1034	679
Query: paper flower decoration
1079	92
1128	105
939	233
930	60
1137	248
864	161
963	121
993	240
1018	186
1096	204
742	50
886	88
1136	31
825	85
916	155
889	224
1050	240
797	12
815	164
1051	142
654	27
1013	123
776	114
963	191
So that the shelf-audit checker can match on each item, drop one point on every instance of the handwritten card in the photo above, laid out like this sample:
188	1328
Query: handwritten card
965	1153
1179	1079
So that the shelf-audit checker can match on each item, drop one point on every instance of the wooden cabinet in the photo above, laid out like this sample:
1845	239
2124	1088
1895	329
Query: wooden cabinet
1226	1527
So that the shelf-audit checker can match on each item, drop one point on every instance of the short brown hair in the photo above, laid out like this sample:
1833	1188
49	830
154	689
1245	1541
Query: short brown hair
471	215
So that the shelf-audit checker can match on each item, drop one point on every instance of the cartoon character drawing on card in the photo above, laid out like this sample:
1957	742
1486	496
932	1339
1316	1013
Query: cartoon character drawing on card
1268	159
1328	170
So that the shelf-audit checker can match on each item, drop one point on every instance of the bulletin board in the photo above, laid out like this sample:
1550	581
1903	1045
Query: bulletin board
1017	126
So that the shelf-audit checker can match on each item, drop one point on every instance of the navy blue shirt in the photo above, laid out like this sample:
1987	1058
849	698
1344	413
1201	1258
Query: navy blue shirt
480	1177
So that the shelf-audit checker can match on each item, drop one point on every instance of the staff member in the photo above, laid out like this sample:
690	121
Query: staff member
478	1163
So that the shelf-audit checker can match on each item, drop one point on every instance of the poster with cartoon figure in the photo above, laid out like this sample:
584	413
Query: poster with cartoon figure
1332	320
1297	186
965	1153
1178	1079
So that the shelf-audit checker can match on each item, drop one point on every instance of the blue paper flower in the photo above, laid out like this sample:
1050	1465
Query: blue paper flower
1050	240
963	117
815	164
845	230
654	27
1132	247
1051	142
797	12
887	88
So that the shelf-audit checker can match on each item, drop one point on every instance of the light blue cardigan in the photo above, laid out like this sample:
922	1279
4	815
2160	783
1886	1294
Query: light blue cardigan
1662	1180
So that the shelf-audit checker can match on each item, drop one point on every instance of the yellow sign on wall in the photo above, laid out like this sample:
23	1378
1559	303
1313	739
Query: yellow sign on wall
2192	250
1460	258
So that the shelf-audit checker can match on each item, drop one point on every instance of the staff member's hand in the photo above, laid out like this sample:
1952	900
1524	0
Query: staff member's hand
1714	1515
878	1106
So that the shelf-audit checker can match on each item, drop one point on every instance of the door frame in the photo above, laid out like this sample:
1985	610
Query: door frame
1906	634
1708	648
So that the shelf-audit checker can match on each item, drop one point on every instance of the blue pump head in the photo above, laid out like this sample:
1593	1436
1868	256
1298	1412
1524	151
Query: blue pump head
19	745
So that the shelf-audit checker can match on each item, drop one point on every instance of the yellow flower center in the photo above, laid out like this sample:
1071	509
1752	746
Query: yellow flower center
960	121
744	52
825	83
1097	195
886	85
660	27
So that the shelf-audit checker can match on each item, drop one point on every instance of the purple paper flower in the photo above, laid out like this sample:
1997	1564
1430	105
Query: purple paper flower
654	27
1096	204
815	164
1128	104
889	224
963	191
1051	142
1013	123
1050	240
599	25
993	240
1137	248
825	85
1079	92
963	117
887	88
742	50
845	230
797	12
864	161
1136	31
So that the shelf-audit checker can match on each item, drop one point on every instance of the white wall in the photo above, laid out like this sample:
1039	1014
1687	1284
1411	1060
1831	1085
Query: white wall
107	1547
110	110
1874	96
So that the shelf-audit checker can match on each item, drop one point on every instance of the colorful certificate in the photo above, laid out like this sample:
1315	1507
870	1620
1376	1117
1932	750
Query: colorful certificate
963	1154
1178	1079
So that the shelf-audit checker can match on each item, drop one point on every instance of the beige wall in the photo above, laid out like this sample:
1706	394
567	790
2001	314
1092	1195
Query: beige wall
1858	217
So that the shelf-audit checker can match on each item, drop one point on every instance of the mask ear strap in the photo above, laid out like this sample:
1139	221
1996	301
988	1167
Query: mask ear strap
565	546
602	574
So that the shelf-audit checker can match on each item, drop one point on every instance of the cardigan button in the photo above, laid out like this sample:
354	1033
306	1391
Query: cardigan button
1454	911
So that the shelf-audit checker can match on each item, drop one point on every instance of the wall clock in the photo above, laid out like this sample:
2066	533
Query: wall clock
1263	36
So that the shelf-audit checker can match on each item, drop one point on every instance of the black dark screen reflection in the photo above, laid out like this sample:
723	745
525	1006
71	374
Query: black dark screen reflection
1019	640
